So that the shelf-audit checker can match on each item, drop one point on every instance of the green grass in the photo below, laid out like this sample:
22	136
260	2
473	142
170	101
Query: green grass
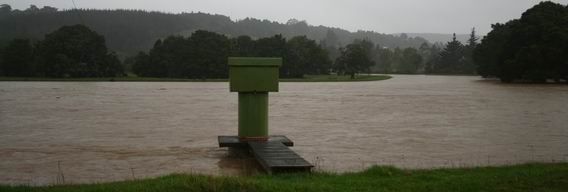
307	78
337	78
527	177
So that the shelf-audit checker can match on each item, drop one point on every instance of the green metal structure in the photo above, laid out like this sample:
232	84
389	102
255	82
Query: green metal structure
253	78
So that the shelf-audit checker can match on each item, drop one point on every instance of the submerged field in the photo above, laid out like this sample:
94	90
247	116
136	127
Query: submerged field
307	78
99	132
528	177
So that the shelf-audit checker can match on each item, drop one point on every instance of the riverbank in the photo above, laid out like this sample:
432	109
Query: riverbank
307	78
526	177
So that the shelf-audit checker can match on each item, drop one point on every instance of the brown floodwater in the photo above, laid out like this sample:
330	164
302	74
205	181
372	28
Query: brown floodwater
83	132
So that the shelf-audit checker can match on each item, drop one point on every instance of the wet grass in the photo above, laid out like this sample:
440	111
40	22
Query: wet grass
338	78
526	177
307	78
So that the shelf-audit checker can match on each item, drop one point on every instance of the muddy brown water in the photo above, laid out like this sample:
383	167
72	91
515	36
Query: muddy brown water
104	131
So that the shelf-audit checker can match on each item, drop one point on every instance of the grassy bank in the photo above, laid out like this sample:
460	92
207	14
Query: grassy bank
336	78
307	78
528	177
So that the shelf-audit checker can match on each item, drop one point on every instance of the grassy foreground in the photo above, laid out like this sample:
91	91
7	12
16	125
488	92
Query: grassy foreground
307	78
527	177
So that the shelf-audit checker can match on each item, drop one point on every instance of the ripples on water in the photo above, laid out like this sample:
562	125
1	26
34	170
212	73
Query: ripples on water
101	131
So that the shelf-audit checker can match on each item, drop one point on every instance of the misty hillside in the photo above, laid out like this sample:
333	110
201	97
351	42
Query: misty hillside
130	31
440	37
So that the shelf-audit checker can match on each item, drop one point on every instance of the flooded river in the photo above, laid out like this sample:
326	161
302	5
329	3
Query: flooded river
103	131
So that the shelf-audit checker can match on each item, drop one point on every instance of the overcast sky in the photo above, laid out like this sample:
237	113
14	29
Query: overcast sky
384	16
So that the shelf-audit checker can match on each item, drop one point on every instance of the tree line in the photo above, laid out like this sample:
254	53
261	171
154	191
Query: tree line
183	55
77	51
204	55
71	51
531	48
363	56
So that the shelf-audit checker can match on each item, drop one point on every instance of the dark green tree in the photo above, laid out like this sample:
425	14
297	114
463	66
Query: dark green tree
331	43
144	67
384	60
274	46
468	63
76	51
425	52
242	46
208	55
369	50
32	9
411	62
202	55
5	9
355	58
170	57
396	59
111	67
432	59
128	63
451	58
472	41
18	58
304	56
532	48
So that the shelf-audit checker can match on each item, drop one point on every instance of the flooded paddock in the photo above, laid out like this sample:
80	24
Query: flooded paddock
104	131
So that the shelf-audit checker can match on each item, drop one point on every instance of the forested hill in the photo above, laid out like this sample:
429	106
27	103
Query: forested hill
130	31
440	37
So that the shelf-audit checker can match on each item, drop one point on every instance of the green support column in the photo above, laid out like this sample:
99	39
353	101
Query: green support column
253	115
253	78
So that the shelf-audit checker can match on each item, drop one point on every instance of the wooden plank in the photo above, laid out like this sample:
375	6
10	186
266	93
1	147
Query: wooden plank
233	141
230	141
277	157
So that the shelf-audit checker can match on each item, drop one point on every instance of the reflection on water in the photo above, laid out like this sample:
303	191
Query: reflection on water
122	130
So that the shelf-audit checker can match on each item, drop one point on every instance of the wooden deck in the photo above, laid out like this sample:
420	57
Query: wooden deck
273	155
233	141
276	157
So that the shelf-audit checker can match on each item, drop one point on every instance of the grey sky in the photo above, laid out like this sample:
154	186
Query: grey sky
385	16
